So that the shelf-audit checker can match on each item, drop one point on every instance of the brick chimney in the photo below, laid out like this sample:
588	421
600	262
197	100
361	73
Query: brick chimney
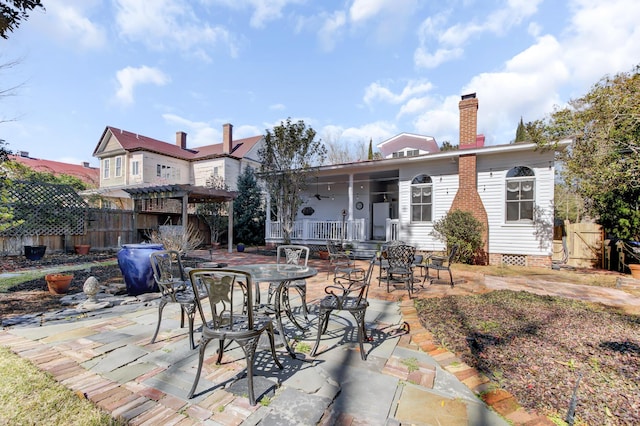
467	197
227	138
181	140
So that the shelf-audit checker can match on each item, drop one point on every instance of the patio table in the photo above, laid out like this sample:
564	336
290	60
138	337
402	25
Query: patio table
282	274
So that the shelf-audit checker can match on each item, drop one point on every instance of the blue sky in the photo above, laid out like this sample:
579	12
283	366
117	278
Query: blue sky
354	70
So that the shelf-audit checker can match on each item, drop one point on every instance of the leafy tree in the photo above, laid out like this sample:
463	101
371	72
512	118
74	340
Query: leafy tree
521	133
448	146
215	214
604	161
290	155
6	212
248	210
460	227
13	12
19	171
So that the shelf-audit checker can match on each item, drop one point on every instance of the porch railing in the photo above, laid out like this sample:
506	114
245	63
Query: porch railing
307	230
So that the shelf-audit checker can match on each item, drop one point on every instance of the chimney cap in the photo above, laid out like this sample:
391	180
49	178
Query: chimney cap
468	96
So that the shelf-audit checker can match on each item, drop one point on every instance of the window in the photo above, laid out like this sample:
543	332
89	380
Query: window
520	194
421	199
106	168
135	168
118	166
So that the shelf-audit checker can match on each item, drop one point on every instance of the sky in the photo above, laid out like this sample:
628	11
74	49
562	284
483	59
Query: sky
353	70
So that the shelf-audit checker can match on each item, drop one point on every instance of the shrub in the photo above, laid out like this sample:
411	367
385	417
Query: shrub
177	238
460	227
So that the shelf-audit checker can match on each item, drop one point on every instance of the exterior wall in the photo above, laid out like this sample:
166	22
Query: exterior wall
532	240
180	169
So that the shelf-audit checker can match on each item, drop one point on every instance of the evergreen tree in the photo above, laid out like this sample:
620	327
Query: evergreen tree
248	210
521	133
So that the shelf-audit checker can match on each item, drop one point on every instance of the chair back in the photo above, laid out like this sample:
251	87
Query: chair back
229	293
168	272
292	254
367	280
400	256
452	254
333	248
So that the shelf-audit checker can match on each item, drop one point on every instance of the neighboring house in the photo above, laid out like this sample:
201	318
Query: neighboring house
84	172
408	145
129	161
509	188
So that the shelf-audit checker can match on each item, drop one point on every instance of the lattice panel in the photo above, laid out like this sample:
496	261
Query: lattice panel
514	259
45	209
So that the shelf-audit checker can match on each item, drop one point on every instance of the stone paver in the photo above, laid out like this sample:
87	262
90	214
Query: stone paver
407	378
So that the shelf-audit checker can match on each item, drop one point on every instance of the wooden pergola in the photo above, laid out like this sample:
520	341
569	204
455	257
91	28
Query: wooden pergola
186	194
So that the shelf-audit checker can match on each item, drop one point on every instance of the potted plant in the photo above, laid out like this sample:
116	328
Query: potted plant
240	247
58	283
82	248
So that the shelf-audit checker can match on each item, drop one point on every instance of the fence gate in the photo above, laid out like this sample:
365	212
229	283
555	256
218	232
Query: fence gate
582	247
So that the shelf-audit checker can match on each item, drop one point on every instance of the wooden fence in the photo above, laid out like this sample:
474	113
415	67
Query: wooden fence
582	245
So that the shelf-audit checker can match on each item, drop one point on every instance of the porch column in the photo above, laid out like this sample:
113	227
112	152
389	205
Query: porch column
350	215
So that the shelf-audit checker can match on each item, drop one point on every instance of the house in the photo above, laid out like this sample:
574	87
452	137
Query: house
129	160
89	175
162	182
508	188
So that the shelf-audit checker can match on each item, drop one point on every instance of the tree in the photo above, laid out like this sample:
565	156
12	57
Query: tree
13	12
604	161
521	133
448	146
215	214
462	228
290	155
248	210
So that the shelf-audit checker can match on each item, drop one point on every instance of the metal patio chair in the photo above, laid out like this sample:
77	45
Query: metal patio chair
231	317
348	296
174	286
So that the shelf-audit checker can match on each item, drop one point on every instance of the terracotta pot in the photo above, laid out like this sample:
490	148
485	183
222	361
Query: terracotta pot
58	283
82	248
635	270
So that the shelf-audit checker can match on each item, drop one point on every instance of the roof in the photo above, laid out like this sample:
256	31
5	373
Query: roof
196	194
89	175
132	142
408	140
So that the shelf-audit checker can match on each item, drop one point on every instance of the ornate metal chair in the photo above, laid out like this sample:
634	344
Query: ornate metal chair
346	296
231	317
400	258
174	286
292	254
338	259
440	263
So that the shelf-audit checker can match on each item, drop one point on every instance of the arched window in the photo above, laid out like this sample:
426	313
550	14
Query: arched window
520	194
421	199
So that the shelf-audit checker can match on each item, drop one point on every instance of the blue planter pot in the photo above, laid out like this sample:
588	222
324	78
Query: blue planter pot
133	260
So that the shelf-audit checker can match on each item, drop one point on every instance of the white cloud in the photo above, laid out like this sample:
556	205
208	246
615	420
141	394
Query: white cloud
376	91
67	23
440	44
171	24
129	77
331	30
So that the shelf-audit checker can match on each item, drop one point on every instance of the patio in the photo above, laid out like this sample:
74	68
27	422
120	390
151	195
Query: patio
106	356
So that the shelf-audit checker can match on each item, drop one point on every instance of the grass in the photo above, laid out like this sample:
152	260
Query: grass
29	396
7	282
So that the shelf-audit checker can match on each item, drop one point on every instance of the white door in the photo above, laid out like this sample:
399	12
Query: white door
380	216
